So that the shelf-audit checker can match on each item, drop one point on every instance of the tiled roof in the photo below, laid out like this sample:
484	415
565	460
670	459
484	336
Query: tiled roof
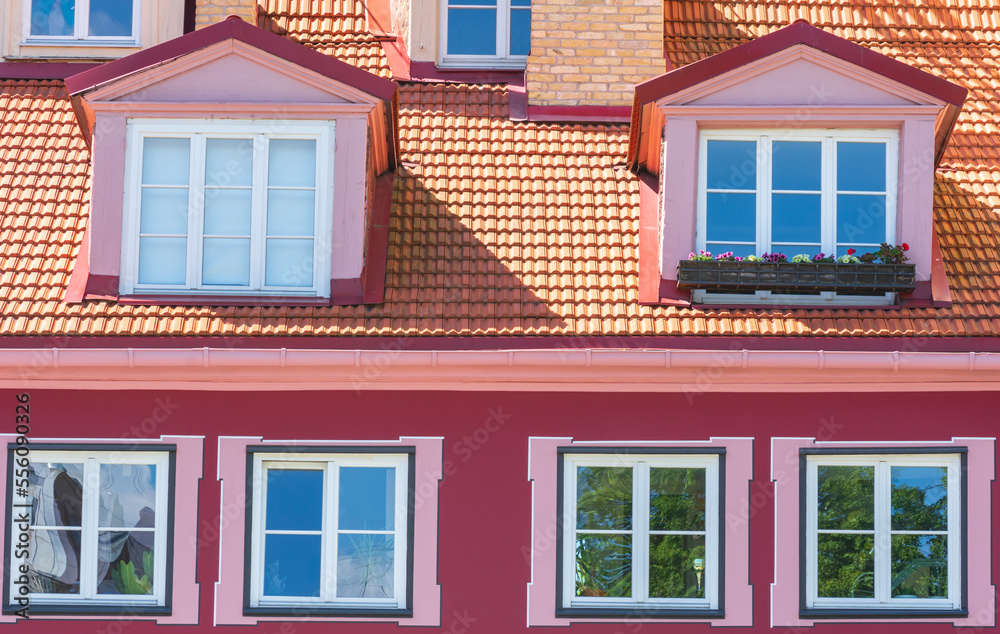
516	228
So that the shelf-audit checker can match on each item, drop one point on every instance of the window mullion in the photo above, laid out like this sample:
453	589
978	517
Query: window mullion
196	211
503	28
764	194
640	532
883	538
400	534
81	19
328	555
258	216
159	532
88	529
828	196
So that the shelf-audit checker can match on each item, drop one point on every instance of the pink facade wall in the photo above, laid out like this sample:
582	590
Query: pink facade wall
485	498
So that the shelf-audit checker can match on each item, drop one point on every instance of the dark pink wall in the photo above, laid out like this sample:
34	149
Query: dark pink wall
485	496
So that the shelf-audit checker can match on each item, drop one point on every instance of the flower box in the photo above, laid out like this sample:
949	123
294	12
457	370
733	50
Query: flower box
719	276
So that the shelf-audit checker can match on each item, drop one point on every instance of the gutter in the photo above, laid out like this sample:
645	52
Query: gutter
568	369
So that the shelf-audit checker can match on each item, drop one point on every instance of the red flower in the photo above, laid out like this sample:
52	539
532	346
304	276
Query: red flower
851	251
906	247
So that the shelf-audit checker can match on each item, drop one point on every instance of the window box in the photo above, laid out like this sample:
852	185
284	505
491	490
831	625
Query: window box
721	276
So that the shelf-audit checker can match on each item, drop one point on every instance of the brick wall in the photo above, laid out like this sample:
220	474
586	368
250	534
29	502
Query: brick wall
211	11
592	52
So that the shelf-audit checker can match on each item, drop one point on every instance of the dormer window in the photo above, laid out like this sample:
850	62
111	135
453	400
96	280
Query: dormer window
94	21
227	207
486	33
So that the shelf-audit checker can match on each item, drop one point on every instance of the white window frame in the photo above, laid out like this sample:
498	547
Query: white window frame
81	27
329	463
502	59
92	460
640	463
323	132
883	531
828	204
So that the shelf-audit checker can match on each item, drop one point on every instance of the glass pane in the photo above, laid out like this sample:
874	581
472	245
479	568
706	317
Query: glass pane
846	566
128	496
860	218
111	18
226	261
796	218
676	499
227	212
604	498
520	31
846	497
54	561
289	263
125	562
52	17
165	161
472	31
791	250
741	250
367	498
292	163
732	165
796	165
677	566
292	565
604	565
163	211
860	167
290	212
228	162
919	498
919	566
484	3
519	3
56	494
731	217
294	500
162	260
365	566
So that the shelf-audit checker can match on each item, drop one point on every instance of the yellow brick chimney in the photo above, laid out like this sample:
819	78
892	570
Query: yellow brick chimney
209	12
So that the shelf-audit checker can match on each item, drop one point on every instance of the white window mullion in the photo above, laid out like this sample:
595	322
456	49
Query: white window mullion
828	196
812	537
328	554
640	532
257	531
196	211
883	536
503	27
954	559
81	19
764	195
88	529
713	559
401	534
160	562
258	216
569	547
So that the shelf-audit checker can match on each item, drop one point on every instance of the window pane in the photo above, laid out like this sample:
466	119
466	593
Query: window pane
919	566
365	566
226	261
228	162
111	18
290	212
731	217
52	17
860	167
846	566
128	496
165	161
294	499
289	263
676	499
919	498
741	250
846	497
292	565
519	3
677	566
796	218
520	31
227	212
732	165
164	210
472	31
54	561
367	498
604	565
796	165
162	260
604	498
860	218
292	163
125	562
57	492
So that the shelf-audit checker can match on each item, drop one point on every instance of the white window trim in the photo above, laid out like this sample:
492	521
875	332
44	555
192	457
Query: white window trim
89	528
502	60
81	25
324	132
328	568
882	531
640	522
828	204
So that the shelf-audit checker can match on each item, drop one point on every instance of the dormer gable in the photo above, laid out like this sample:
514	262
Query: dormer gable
253	233
804	89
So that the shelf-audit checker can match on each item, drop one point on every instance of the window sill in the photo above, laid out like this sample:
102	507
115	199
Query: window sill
912	613
222	300
80	43
75	609
640	611
304	612
482	63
